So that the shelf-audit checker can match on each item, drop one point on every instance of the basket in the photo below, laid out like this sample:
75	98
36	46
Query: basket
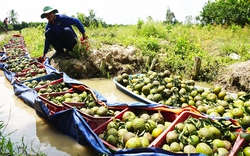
168	116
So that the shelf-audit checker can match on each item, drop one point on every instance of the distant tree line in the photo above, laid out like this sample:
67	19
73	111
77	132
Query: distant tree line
217	12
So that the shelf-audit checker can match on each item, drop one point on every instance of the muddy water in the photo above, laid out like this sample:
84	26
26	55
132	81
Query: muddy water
23	122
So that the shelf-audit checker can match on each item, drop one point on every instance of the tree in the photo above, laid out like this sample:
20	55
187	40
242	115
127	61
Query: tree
170	17
13	17
226	12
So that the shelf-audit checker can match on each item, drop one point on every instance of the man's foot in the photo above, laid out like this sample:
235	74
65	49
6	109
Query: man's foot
56	54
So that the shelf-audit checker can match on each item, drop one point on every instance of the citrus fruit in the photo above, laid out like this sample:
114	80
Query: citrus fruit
217	89
237	112
189	128
194	93
182	91
238	103
228	114
204	149
191	102
189	149
148	136
129	126
218	143
194	140
222	151
146	90
247	103
138	124
171	136
200	90
166	147
150	125
112	131
246	151
133	142
121	132
222	94
156	132
223	103
167	124
158	118
179	127
128	116
241	93
127	136
214	114
246	121
113	140
174	147
112	124
144	142
212	97
205	133
216	132
145	116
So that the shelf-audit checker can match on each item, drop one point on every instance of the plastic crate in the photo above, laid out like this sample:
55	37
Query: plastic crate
56	82
52	77
92	121
161	140
168	116
239	144
19	76
53	107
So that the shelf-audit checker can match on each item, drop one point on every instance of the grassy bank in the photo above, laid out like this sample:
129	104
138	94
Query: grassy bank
179	44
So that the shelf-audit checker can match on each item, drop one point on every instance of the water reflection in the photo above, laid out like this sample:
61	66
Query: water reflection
107	88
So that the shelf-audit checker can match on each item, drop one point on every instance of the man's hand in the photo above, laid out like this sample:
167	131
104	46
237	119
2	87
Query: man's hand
84	37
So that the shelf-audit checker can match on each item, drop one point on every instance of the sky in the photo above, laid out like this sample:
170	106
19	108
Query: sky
110	11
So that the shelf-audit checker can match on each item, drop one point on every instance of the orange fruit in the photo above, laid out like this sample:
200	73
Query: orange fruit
247	103
194	93
246	121
222	94
217	90
237	112
212	97
246	151
156	132
241	93
220	110
169	85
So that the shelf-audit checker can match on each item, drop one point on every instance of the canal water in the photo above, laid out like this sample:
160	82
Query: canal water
23	125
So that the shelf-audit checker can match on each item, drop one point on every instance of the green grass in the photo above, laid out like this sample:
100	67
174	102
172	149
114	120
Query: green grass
179	44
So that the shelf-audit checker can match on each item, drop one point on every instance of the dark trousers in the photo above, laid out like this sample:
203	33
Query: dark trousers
67	40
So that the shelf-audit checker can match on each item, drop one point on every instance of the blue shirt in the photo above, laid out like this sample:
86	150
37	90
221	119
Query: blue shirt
62	21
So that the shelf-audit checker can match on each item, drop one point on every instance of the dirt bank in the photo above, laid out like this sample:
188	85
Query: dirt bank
235	77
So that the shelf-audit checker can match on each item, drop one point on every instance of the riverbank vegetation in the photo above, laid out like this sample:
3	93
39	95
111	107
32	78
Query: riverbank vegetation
175	45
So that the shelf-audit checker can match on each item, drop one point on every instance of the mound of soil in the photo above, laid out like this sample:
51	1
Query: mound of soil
235	77
107	62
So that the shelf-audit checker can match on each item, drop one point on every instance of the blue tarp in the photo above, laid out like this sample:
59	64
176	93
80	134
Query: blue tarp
71	123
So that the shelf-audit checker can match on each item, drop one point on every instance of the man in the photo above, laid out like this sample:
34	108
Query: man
59	32
6	25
